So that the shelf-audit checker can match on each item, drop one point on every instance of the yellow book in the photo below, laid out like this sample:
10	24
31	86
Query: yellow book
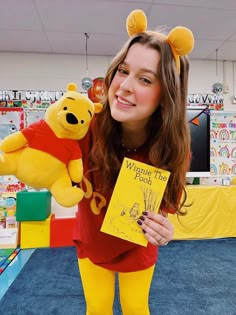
139	187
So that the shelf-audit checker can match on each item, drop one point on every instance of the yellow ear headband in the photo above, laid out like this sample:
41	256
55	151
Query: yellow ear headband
180	38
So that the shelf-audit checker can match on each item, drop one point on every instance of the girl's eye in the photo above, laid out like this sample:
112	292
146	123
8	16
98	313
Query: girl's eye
122	70
146	80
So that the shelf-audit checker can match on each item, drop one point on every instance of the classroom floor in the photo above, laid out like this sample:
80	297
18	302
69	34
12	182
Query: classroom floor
13	269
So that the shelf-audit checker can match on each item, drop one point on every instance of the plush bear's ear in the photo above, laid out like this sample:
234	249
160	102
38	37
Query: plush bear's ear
72	87
98	107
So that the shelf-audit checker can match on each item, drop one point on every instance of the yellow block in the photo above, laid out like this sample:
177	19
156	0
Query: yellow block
34	234
212	213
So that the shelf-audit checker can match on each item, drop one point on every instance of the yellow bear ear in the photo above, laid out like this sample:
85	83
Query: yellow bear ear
71	87
136	22
182	40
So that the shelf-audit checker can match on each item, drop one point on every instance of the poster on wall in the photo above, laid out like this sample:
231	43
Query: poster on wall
223	144
11	120
33	114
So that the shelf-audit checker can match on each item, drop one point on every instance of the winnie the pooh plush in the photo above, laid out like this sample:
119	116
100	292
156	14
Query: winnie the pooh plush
46	154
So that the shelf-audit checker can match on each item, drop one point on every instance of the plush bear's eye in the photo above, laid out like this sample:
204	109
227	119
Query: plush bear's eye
65	108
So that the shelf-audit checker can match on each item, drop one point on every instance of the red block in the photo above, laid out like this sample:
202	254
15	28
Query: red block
61	231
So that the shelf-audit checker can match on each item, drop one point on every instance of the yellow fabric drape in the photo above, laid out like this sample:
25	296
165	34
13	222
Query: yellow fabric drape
211	215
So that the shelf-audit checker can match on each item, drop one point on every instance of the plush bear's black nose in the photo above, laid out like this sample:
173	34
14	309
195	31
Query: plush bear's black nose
71	119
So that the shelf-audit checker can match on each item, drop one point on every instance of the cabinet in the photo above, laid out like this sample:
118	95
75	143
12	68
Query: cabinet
211	215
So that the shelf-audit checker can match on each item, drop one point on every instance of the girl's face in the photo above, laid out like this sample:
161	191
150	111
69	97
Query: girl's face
134	93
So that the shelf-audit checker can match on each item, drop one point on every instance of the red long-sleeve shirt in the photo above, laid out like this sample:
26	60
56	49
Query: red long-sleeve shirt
103	249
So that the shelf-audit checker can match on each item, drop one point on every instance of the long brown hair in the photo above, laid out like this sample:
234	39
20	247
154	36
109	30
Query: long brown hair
168	131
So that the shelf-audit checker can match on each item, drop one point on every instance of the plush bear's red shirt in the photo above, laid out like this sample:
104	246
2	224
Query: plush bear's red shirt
41	137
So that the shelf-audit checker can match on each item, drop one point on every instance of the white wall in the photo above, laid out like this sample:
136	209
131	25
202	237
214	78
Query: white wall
52	72
47	72
203	74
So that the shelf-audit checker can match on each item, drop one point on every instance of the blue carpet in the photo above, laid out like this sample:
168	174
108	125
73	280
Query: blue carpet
191	278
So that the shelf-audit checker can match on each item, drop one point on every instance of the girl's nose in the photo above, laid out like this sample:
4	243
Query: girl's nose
127	84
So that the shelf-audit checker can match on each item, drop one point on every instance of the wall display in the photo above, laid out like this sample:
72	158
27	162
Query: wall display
29	99
33	114
11	120
214	101
223	144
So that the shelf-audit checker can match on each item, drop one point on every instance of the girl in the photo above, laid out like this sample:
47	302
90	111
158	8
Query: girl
144	118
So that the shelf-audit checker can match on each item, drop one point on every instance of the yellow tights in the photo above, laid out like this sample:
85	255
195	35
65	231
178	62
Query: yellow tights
99	289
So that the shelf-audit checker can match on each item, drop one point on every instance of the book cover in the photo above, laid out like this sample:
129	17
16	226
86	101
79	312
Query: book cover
139	187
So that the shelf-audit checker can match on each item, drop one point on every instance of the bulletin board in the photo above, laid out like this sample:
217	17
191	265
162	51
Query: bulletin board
223	144
11	121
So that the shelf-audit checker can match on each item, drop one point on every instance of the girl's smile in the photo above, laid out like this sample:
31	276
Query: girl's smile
123	102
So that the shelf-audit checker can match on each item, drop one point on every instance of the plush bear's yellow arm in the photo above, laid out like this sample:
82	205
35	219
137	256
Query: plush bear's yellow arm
13	142
75	170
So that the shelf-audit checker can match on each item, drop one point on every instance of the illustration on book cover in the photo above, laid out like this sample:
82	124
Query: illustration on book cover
139	187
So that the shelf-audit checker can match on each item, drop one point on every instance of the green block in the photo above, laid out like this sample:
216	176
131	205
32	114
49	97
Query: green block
196	181
33	205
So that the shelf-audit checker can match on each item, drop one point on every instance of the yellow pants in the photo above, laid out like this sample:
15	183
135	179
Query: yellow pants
99	289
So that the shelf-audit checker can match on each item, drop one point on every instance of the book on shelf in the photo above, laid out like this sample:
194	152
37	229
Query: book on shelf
139	187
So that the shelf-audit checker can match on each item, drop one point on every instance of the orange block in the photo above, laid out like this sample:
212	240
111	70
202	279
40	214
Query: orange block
61	231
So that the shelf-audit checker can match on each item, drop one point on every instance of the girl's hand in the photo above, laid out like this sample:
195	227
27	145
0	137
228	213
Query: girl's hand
156	227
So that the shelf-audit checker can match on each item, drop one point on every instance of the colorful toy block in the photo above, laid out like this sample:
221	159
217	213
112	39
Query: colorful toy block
61	231
33	205
34	234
